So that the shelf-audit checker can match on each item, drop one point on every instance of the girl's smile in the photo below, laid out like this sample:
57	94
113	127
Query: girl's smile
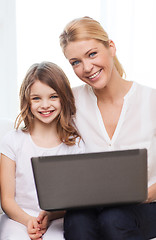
46	113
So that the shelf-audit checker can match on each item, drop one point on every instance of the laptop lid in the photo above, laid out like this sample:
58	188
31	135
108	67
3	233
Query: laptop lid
90	179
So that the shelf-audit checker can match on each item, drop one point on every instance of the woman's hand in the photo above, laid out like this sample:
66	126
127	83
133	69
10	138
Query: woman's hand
151	193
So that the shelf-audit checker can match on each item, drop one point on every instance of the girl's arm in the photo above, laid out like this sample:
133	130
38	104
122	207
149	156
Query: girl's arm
9	205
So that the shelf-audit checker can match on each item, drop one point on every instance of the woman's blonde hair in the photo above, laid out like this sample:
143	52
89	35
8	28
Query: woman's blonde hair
53	76
83	29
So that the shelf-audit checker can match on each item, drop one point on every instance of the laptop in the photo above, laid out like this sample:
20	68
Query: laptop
91	179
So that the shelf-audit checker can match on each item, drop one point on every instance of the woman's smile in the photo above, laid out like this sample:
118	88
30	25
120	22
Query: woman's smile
95	76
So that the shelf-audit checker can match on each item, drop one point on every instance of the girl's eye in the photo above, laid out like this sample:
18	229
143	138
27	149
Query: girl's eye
54	96
92	54
35	98
75	63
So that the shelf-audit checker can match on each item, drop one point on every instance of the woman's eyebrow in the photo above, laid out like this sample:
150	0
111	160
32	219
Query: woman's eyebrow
91	49
73	59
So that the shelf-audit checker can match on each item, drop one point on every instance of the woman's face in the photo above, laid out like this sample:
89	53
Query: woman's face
92	61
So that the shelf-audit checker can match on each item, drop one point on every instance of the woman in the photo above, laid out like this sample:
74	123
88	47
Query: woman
112	114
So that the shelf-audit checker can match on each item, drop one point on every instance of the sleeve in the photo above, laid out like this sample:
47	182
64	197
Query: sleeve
7	145
77	92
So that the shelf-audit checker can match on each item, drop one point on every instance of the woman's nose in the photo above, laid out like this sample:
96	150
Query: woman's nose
87	66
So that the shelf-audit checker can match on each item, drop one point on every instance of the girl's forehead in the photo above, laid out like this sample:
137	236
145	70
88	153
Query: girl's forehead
39	87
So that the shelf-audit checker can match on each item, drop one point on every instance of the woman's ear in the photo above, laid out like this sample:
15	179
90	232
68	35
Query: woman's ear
112	48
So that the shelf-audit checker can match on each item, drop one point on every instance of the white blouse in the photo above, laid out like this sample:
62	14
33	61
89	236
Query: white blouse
136	127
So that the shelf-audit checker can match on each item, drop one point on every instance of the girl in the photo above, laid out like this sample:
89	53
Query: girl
47	111
116	115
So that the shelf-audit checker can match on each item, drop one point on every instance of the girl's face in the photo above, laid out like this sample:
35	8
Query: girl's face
92	61
44	102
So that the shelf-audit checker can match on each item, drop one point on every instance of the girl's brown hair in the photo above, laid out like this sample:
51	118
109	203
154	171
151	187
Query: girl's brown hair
53	76
83	29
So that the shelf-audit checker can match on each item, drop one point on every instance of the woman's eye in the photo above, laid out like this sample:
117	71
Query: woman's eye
92	54
75	63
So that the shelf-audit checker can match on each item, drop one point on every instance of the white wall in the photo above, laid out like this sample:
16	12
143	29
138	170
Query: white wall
129	23
8	60
132	26
39	24
29	33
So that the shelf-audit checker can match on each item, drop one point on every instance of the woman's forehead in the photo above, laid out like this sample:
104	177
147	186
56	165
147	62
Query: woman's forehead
80	47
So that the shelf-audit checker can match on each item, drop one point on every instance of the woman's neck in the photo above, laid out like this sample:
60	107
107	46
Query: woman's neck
116	89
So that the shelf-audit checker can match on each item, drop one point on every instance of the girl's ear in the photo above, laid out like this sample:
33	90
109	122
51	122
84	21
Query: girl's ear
112	48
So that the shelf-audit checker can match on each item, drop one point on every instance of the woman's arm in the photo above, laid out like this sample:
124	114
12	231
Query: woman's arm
151	193
55	215
45	218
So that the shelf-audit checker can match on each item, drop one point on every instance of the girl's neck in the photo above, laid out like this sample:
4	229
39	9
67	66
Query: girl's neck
45	135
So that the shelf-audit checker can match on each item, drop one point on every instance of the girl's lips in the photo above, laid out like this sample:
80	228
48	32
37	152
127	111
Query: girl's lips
46	113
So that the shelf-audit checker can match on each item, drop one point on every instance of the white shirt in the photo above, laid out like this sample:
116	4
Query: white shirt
19	147
136	127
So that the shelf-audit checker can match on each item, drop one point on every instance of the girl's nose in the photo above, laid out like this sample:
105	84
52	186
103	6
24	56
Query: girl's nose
45	103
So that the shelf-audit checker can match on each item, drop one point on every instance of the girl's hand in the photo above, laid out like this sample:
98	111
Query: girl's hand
44	218
43	221
151	193
33	229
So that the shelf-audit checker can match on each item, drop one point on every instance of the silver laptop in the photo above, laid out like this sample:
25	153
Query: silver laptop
91	179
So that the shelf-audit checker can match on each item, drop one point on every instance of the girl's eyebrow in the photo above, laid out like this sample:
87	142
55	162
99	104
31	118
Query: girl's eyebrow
32	95
35	94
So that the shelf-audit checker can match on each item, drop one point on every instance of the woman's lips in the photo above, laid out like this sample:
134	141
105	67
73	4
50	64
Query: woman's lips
95	75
